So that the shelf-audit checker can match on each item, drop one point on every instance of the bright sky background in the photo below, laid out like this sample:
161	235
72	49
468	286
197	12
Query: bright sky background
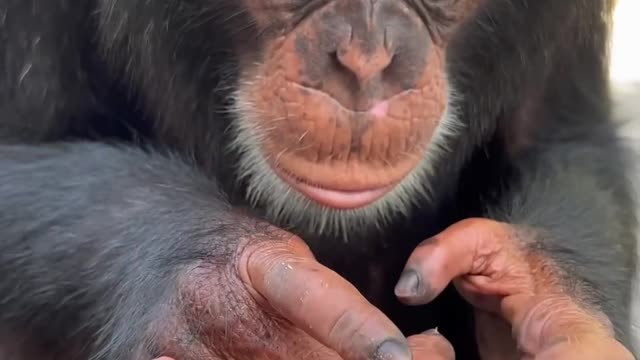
625	65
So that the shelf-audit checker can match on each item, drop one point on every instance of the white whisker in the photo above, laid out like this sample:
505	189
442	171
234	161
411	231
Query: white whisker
283	205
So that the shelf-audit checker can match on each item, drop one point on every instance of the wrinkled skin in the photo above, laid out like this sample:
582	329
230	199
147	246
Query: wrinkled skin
153	153
286	305
302	310
523	307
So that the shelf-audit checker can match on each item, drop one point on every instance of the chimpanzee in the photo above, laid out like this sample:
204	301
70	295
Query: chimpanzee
150	149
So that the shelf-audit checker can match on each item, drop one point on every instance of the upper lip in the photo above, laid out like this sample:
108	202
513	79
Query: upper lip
370	103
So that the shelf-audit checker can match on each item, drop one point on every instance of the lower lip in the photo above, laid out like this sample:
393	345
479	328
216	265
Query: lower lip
337	199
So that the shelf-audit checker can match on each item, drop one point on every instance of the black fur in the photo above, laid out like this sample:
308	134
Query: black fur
88	230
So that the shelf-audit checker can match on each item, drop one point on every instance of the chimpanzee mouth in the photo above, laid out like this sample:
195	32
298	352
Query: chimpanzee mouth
334	198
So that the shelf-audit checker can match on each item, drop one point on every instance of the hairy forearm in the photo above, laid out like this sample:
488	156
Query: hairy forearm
576	200
86	229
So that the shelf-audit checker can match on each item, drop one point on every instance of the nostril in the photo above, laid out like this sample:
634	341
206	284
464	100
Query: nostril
335	58
390	69
337	63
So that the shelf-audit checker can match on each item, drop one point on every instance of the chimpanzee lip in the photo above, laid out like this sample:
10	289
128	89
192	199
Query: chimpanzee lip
348	198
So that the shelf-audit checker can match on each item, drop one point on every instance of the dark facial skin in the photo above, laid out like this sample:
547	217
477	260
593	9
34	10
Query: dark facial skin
345	99
246	179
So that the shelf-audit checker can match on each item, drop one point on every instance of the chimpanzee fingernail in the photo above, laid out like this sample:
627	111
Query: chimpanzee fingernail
409	285
433	331
392	349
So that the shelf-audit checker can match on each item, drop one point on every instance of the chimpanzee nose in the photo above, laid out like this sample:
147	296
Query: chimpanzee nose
368	51
364	59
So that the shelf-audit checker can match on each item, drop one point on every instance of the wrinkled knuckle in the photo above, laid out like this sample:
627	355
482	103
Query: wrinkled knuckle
348	329
344	327
557	317
268	258
353	336
262	245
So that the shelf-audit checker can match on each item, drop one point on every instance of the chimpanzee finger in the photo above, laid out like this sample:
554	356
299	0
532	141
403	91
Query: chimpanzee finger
490	258
556	327
430	345
285	276
474	246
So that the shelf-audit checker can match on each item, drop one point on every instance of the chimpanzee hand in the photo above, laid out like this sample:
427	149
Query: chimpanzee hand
272	300
515	291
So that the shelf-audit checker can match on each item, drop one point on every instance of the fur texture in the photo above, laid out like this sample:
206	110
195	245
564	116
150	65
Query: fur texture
125	148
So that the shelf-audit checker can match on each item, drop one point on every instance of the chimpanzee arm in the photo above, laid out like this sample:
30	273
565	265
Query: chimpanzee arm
576	197
114	253
90	239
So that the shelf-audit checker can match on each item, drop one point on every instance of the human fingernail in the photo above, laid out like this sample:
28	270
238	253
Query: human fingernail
392	349
409	285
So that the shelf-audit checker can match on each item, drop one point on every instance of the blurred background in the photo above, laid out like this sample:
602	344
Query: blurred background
625	77
626	43
625	64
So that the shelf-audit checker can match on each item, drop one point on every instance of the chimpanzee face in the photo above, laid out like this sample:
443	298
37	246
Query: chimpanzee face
339	117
